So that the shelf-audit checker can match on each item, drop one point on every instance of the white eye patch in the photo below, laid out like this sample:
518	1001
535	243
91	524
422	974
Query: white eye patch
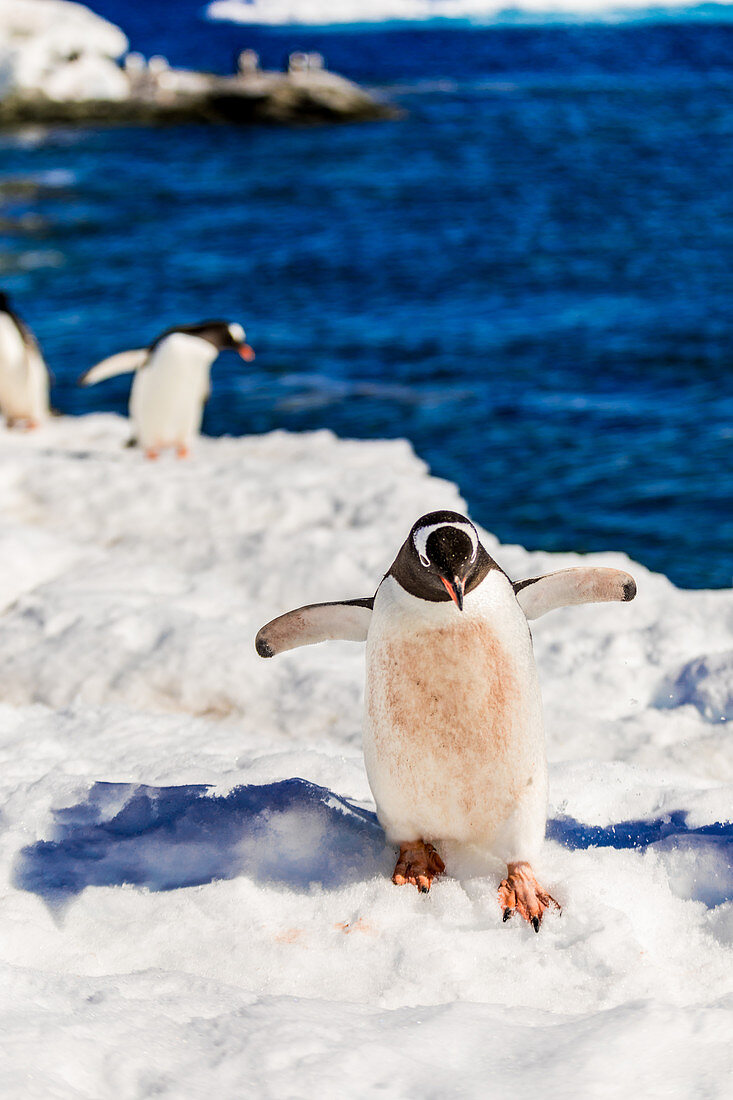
237	333
421	536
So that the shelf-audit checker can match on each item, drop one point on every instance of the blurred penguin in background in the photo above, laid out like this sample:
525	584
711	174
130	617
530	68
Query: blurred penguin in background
24	381
172	383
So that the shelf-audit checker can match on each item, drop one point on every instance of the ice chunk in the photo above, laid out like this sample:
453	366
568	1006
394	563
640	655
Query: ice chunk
61	50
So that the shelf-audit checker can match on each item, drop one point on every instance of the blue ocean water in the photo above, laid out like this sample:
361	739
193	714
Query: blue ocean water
530	275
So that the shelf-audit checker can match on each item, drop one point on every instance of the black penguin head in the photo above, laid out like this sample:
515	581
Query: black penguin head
230	336
442	558
224	335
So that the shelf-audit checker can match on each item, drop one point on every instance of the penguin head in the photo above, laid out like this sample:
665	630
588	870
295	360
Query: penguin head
233	337
228	336
224	335
442	558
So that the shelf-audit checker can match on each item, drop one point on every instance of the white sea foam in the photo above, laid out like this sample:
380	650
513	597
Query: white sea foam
327	12
194	893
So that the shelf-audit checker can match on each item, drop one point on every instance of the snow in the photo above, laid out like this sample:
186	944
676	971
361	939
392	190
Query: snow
61	49
705	683
194	891
324	12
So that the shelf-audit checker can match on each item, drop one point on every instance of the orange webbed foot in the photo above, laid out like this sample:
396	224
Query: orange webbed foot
182	451
152	453
22	423
418	864
521	893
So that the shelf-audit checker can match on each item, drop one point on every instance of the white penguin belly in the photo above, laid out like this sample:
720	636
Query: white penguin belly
23	376
168	394
453	739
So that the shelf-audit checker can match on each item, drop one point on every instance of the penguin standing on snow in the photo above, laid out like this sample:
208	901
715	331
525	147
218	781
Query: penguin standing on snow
24	379
171	384
453	737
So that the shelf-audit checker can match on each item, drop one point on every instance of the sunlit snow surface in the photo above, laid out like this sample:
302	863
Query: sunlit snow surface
63	50
326	12
195	892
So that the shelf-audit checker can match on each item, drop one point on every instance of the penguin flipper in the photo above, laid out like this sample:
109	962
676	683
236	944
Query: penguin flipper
586	584
121	363
318	622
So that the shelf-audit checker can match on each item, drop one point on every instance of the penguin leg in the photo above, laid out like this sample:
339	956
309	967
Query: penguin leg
418	863
152	453
521	893
182	450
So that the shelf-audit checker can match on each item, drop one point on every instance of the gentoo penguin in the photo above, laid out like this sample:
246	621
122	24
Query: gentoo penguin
453	739
23	373
171	384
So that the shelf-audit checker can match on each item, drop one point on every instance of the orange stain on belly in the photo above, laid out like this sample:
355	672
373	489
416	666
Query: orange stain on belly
452	682
447	710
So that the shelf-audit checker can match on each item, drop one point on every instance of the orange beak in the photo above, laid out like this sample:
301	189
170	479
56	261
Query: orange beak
246	352
455	591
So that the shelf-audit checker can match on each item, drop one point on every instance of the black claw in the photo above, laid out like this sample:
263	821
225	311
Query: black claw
507	914
424	889
536	923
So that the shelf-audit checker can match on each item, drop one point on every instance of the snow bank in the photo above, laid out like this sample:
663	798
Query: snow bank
194	891
706	683
324	12
61	49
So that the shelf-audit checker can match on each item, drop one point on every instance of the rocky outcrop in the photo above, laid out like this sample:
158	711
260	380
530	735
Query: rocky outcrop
268	97
58	64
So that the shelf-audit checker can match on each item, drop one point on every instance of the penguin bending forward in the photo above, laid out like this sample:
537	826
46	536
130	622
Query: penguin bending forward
171	384
453	739
24	379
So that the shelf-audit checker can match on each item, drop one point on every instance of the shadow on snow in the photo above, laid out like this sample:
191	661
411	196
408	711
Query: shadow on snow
698	861
631	834
293	834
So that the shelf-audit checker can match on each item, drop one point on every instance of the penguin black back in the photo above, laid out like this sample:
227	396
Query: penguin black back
221	334
26	335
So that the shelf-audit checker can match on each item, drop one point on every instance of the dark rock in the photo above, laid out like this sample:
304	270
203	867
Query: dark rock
171	96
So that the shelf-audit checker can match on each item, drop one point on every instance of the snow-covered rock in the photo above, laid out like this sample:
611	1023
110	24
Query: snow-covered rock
194	892
60	49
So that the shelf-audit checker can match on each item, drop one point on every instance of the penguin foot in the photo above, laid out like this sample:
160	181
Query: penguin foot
182	451
22	423
152	453
418	863
521	893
